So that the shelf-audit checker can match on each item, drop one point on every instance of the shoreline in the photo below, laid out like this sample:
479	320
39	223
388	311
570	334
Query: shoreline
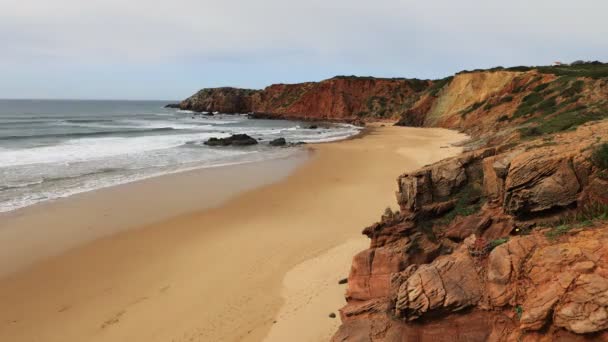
215	273
69	233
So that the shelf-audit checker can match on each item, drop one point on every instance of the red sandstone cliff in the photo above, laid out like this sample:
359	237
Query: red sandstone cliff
339	98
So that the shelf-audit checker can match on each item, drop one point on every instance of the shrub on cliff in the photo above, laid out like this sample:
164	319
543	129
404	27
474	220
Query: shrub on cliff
599	156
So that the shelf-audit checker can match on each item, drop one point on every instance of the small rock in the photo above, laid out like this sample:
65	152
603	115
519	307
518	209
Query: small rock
343	281
278	142
313	127
332	315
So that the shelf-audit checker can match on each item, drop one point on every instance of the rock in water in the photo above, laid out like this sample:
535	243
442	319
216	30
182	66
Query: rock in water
234	140
278	142
172	105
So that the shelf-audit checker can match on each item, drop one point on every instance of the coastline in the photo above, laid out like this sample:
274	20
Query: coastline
216	273
24	242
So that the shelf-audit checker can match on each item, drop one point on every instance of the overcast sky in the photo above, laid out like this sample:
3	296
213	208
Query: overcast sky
152	49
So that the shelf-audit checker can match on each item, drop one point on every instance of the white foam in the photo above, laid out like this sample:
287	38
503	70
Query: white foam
78	150
96	183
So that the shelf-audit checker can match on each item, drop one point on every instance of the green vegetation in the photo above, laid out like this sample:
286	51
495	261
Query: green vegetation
488	106
471	108
574	89
495	243
377	105
560	122
592	70
418	85
547	106
583	217
581	69
439	84
528	105
506	99
599	156
468	202
558	231
518	311
540	87
556	103
426	228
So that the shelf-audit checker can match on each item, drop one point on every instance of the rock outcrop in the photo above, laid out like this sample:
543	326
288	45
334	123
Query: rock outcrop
224	100
233	140
503	243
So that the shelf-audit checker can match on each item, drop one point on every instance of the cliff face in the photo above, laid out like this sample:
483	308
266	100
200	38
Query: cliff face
498	244
223	100
339	98
505	242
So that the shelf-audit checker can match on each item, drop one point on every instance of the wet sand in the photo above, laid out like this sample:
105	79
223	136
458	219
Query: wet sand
185	263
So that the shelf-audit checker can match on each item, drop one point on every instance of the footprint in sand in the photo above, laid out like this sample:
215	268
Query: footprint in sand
113	320
64	308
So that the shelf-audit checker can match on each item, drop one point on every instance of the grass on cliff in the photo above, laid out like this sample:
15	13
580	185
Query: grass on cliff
560	122
578	69
580	218
471	108
468	202
552	107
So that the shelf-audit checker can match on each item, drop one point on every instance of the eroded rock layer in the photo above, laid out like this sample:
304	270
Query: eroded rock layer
504	243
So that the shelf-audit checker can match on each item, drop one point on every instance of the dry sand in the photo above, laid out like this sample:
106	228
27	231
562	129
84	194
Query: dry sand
214	274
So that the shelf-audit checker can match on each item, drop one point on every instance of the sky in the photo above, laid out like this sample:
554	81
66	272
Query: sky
135	49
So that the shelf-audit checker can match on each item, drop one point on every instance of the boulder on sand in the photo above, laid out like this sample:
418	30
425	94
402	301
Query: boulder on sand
234	140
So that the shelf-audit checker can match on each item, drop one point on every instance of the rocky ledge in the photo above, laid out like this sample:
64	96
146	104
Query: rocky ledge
507	243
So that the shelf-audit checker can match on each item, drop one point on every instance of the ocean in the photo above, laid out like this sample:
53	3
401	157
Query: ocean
55	148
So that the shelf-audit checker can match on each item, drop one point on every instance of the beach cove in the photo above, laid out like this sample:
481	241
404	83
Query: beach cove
207	260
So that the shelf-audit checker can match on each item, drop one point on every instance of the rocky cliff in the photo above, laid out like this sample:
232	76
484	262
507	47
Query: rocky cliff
506	242
340	98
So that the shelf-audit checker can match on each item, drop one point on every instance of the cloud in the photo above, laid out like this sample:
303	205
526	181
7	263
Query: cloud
186	37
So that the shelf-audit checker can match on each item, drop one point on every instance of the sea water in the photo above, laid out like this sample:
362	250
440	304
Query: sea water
55	148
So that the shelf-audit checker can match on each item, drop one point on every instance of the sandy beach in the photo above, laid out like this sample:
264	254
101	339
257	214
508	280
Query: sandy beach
248	254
